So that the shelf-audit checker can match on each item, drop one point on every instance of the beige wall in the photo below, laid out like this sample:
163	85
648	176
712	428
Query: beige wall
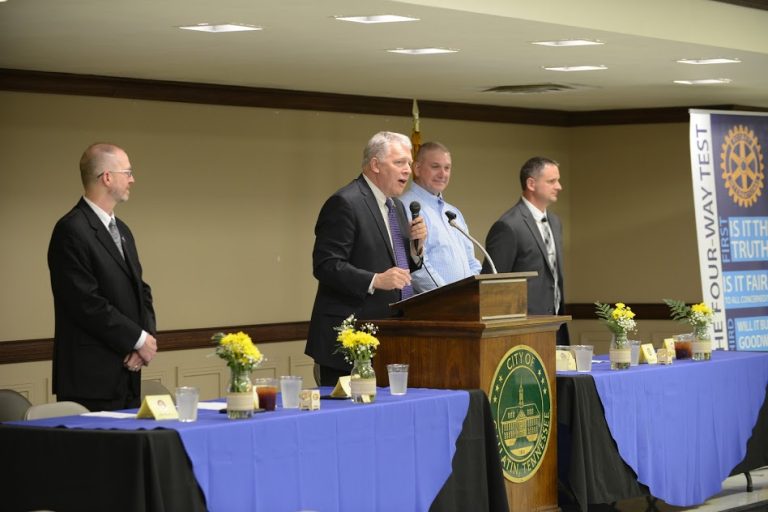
225	201
226	198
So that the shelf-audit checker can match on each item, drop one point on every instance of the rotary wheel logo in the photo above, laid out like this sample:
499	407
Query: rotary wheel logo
521	408
742	166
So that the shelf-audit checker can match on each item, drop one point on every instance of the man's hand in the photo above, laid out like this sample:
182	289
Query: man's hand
133	361
148	350
419	232
393	278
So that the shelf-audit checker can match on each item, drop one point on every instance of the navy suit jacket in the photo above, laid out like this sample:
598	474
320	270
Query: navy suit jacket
101	306
351	244
515	245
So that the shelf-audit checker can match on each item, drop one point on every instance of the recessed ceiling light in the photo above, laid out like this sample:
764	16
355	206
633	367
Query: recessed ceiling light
380	18
422	51
576	68
569	42
224	27
706	81
709	61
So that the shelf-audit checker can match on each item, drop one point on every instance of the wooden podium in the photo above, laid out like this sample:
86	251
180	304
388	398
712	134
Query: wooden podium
454	337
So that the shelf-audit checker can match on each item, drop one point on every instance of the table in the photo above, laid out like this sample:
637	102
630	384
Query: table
673	432
396	454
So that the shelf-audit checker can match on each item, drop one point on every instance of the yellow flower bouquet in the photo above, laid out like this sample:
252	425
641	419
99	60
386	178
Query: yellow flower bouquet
358	347
699	316
620	320
242	357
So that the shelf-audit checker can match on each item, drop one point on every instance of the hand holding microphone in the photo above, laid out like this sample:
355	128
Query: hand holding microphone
418	227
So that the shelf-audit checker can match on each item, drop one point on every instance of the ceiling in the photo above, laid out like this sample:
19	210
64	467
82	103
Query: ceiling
301	47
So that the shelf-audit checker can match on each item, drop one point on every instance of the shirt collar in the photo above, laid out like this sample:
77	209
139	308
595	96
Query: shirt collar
377	193
537	214
425	194
103	216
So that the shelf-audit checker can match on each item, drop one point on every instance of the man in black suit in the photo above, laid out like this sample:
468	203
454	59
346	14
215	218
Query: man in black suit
104	318
527	237
355	258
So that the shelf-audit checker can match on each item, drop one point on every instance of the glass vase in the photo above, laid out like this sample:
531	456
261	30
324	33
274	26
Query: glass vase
621	352
239	394
701	348
363	382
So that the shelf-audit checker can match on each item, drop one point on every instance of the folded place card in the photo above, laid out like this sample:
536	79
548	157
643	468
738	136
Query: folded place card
647	353
669	344
342	389
564	361
159	407
665	356
309	399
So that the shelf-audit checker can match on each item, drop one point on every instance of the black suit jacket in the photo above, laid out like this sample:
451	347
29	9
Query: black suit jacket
351	244
515	245
101	306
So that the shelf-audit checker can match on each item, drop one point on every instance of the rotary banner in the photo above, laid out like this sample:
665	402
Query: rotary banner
728	167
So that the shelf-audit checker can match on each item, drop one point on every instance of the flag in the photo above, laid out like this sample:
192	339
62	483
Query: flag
415	135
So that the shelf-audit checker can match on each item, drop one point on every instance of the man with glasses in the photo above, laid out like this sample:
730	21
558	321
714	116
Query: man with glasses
104	317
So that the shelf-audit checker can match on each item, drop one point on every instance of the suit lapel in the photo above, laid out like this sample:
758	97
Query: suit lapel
103	236
375	211
535	232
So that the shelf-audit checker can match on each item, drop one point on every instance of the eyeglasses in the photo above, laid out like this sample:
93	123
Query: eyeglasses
128	173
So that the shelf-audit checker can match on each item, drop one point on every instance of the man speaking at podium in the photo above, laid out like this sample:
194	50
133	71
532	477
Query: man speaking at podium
364	250
448	255
528	238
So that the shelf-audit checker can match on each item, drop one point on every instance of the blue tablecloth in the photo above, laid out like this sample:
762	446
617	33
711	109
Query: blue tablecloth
683	428
392	455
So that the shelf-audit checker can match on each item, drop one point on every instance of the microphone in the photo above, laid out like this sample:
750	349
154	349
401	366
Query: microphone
415	211
452	221
415	208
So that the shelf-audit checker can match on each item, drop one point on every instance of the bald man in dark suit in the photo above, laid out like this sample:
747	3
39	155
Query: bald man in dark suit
104	317
354	258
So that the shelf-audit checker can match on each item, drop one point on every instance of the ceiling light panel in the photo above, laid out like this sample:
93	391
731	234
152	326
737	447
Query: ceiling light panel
576	68
220	28
719	60
422	51
379	18
569	42
705	81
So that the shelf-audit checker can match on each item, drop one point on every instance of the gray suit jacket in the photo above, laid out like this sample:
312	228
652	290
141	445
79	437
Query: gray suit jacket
515	245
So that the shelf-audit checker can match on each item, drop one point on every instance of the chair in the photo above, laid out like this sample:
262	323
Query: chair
154	387
54	410
13	405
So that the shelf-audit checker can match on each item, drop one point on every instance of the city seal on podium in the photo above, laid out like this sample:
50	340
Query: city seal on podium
521	405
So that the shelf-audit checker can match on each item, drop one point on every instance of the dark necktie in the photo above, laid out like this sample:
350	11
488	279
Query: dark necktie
552	259
116	236
401	256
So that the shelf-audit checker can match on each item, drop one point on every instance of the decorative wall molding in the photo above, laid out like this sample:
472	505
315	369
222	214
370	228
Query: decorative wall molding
23	351
216	94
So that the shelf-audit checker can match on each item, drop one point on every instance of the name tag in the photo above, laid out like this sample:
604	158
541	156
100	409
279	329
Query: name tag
648	354
158	407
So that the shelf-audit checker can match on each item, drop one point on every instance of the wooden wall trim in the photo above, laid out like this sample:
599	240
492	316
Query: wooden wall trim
215	94
24	351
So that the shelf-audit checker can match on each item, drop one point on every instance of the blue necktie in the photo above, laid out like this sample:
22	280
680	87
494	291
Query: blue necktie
397	244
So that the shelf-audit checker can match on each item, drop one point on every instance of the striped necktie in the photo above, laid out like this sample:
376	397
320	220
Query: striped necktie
116	236
397	244
552	259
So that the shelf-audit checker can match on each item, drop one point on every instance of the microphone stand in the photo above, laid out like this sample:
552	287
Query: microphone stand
452	221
